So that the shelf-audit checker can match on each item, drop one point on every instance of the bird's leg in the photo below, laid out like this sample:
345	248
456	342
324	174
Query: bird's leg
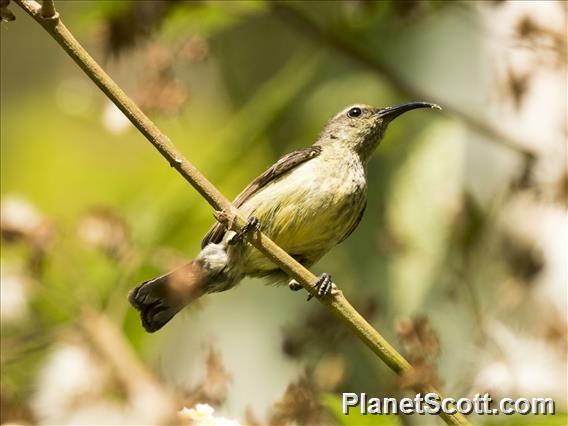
295	285
253	224
324	286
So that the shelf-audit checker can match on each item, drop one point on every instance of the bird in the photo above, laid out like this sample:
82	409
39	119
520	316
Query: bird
307	202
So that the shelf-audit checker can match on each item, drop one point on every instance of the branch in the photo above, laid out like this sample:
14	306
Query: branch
337	41
111	345
225	212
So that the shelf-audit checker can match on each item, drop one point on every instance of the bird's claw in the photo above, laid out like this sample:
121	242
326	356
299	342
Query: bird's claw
253	224
324	286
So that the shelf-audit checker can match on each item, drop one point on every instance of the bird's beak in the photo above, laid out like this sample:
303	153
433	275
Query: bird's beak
390	113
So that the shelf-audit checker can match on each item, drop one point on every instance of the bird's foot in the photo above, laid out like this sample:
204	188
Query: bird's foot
295	285
324	286
253	224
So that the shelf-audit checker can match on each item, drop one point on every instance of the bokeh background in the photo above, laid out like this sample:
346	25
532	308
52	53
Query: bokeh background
460	260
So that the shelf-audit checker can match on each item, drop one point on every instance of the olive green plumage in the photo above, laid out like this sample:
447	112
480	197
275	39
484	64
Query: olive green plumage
307	211
307	202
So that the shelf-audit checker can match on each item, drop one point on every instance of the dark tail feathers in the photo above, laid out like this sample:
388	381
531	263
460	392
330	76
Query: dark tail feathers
160	299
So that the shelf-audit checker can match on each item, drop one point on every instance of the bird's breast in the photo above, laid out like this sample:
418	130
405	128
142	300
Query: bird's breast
310	209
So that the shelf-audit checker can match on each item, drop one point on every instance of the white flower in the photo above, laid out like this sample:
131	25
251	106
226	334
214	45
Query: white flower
202	415
114	120
73	389
13	294
523	366
70	372
18	215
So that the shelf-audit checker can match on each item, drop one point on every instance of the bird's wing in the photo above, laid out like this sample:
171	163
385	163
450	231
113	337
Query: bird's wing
355	224
282	166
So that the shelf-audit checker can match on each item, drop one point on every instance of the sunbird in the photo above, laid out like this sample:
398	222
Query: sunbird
307	202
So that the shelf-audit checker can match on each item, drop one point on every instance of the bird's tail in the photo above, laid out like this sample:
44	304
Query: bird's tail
159	299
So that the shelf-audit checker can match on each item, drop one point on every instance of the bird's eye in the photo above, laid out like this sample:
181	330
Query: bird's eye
354	112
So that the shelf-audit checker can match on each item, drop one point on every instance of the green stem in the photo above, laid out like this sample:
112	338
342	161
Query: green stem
225	212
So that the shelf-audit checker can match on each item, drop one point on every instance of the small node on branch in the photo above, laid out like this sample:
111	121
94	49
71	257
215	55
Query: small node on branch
48	10
176	162
226	218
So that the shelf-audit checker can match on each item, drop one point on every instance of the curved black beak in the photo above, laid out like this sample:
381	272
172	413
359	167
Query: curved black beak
390	113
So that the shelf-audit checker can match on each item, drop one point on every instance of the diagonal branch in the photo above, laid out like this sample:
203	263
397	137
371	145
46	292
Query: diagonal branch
225	212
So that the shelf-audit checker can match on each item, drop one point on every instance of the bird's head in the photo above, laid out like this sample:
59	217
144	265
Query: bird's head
361	127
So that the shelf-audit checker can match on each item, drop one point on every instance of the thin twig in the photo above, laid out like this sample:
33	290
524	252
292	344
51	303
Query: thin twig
338	42
225	212
110	344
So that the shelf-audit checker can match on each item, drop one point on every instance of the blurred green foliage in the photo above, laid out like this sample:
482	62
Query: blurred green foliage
253	84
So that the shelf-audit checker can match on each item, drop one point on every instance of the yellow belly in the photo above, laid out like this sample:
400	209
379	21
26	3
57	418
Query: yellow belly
306	212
